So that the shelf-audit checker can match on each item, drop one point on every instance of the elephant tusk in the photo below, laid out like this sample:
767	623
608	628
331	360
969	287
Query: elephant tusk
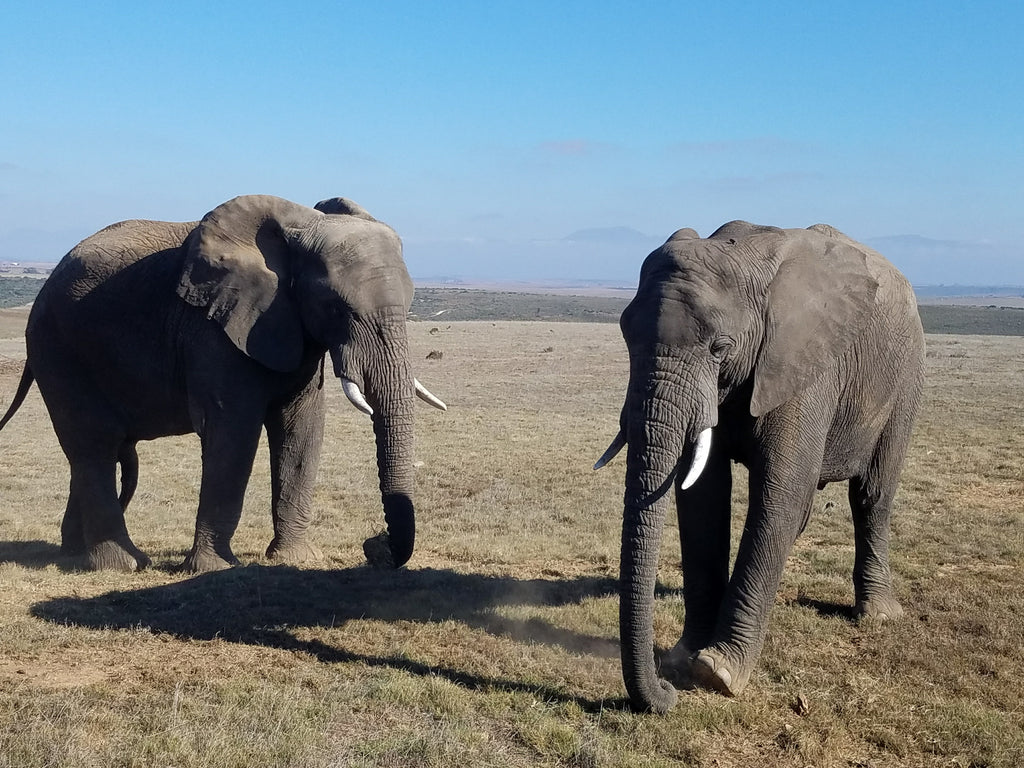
355	396
700	458
613	450
426	396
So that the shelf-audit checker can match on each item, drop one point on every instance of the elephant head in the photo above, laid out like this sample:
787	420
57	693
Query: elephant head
287	283
745	319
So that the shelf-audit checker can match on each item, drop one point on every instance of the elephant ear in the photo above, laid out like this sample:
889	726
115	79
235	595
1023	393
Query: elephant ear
343	206
818	303
238	267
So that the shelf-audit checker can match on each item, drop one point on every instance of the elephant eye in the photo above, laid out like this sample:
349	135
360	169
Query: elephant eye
721	346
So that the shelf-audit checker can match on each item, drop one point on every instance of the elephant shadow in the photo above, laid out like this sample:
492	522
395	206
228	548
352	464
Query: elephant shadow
828	609
260	605
36	555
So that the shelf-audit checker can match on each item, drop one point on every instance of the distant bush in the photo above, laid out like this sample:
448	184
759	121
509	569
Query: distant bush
17	291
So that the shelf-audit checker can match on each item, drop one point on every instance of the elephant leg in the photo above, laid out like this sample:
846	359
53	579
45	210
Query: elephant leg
229	445
94	520
726	664
704	513
871	496
295	434
92	437
782	487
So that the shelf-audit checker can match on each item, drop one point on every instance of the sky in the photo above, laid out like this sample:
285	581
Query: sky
528	141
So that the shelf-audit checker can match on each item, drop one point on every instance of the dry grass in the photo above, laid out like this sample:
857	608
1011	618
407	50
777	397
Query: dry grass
498	644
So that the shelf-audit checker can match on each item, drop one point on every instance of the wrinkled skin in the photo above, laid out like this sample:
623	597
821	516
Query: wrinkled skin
220	327
803	351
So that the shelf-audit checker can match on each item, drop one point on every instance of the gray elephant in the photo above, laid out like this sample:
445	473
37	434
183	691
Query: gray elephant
798	353
220	327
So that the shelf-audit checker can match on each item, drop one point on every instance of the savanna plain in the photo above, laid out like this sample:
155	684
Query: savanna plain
498	644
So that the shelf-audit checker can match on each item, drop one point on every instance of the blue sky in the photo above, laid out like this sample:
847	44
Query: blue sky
530	140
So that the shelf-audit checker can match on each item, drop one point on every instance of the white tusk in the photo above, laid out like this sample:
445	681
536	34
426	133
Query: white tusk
700	458
355	396
426	396
613	450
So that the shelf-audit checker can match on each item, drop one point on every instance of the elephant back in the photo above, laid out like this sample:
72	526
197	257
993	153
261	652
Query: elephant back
102	256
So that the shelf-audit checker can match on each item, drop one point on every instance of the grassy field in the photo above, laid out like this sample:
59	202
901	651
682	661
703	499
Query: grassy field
497	645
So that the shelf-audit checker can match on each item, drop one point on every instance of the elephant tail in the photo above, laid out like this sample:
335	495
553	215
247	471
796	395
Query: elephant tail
19	397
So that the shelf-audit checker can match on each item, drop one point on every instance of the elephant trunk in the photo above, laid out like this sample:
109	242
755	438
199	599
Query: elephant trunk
390	394
393	428
658	436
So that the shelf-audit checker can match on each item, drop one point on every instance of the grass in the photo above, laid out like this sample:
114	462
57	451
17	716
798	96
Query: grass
498	646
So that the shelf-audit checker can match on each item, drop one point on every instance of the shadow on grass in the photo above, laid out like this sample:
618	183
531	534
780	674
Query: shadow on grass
258	605
37	555
828	609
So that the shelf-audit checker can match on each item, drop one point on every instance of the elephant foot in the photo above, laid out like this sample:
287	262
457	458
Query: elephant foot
293	552
378	551
711	670
116	555
206	560
879	608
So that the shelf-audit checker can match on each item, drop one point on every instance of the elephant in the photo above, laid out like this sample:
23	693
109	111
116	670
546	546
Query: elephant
220	327
796	352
